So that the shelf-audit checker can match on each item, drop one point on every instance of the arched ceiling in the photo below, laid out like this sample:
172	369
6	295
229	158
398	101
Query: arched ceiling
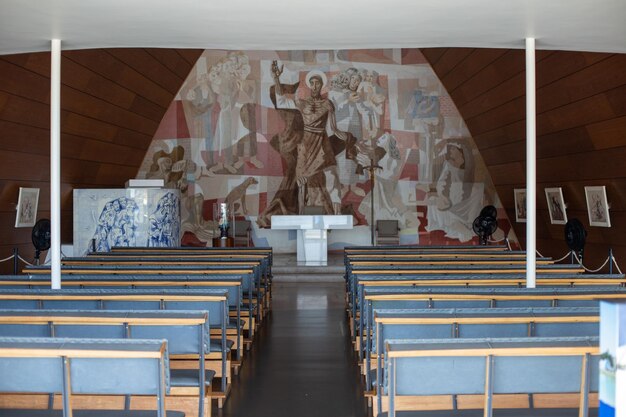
581	25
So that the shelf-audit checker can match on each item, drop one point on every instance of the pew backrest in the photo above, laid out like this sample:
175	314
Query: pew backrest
85	366
187	332
491	366
476	323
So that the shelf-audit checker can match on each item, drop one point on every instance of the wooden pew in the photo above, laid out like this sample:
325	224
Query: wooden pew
465	269
213	301
420	372
434	248
74	367
390	281
470	270
463	323
232	284
415	249
267	251
250	278
431	265
187	334
260	260
428	298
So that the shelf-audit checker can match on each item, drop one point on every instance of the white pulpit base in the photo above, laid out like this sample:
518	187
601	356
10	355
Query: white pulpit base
312	234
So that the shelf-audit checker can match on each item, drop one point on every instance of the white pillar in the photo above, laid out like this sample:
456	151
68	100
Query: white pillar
55	163
531	166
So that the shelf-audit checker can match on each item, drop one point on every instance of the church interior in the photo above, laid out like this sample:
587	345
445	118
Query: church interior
332	209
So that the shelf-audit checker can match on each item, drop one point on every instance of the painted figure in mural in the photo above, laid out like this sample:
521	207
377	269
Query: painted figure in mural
227	80
457	199
372	105
164	228
200	230
171	167
198	100
116	224
423	105
346	101
285	201
246	146
316	167
387	193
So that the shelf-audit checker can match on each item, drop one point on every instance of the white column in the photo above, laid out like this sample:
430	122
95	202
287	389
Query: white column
531	166
55	163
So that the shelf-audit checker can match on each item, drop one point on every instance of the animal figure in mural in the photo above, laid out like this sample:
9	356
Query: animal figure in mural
164	228
116	224
236	198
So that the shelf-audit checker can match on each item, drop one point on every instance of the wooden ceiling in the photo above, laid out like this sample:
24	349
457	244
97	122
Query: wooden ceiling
112	103
581	132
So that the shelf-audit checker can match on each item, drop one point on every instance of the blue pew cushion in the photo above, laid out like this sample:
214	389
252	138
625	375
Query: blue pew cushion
216	345
189	377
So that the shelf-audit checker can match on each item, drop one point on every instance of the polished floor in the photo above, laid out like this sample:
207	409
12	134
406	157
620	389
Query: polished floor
301	364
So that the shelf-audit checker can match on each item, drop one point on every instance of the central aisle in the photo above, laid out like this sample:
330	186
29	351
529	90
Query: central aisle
302	363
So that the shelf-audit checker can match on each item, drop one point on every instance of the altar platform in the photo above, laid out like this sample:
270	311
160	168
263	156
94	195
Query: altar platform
287	269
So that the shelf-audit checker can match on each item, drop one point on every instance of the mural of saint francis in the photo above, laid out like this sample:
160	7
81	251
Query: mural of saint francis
275	132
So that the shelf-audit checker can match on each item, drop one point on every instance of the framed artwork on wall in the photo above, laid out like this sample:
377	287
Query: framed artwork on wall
520	204
556	205
27	207
597	206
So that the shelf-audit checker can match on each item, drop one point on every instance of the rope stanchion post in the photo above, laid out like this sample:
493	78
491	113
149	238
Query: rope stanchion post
619	271
16	254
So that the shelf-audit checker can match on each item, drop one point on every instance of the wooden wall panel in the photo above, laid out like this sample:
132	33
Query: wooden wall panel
581	133
112	103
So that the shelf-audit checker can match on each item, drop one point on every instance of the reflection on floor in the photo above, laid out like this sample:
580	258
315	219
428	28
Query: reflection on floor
290	259
302	363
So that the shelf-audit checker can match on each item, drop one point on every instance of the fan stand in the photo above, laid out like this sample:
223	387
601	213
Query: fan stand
37	256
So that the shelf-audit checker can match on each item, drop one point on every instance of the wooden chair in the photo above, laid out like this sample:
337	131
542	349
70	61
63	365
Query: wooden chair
387	232
241	234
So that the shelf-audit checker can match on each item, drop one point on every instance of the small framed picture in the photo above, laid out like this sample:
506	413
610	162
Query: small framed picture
520	204
597	206
27	207
556	205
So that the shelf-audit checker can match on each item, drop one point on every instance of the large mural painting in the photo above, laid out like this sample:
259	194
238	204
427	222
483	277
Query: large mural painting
278	132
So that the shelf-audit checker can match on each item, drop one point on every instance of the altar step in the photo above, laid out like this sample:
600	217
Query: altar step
333	273
286	269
